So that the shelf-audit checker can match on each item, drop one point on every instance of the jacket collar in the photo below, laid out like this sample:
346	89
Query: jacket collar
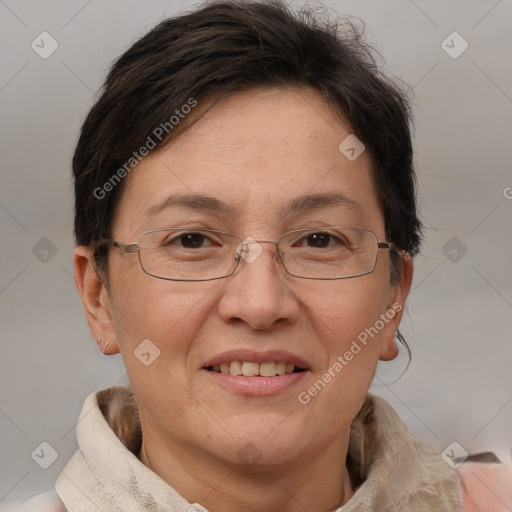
392	470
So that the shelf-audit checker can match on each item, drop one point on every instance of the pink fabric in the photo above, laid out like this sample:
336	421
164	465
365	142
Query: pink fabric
486	487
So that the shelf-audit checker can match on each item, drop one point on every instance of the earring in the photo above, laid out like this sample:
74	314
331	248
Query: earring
98	341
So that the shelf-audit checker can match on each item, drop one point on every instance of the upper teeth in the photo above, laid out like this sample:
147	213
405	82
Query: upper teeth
250	369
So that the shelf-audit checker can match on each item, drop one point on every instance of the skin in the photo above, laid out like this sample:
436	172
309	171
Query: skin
257	149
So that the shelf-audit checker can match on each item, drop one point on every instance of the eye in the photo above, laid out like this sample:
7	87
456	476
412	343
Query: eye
319	240
191	240
322	239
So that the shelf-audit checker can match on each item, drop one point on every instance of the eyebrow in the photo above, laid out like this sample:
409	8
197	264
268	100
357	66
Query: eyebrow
298	205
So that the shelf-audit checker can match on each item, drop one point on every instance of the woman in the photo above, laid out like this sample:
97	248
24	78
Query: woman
245	225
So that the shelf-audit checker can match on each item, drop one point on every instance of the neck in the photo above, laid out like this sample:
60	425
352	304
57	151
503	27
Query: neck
320	483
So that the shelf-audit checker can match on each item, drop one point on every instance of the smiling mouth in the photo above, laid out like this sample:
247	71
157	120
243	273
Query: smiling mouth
251	369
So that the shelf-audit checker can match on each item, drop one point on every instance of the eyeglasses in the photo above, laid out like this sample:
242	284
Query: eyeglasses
185	254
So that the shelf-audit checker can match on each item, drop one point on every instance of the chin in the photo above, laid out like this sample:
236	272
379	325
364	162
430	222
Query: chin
263	451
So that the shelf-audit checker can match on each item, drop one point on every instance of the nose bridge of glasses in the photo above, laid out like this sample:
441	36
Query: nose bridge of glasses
251	240
250	249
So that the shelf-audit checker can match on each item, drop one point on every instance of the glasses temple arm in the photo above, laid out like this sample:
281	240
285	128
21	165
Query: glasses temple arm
123	248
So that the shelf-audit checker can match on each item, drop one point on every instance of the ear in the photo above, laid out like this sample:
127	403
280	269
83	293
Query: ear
95	299
395	308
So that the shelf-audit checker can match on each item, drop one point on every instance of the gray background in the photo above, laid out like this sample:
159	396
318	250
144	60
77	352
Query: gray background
458	321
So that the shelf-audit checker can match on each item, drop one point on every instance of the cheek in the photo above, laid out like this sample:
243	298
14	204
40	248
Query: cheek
344	309
346	319
166	312
169	314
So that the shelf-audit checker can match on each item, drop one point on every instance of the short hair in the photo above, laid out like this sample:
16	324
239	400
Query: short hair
227	47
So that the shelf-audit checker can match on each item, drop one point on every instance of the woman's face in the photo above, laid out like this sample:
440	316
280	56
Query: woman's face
256	152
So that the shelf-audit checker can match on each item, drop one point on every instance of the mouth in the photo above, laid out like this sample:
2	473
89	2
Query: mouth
255	373
254	369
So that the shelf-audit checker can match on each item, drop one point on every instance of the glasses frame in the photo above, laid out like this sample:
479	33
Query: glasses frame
135	248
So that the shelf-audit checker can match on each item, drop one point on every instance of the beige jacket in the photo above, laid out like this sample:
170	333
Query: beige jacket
392	470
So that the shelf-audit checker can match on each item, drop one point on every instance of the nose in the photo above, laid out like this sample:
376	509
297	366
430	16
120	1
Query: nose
259	292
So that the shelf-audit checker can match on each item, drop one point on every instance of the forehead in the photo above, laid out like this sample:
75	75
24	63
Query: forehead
257	152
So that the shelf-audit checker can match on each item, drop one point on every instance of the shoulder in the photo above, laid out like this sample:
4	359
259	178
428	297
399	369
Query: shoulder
44	502
486	487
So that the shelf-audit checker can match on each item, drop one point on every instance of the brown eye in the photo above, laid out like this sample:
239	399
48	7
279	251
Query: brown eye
192	240
189	240
319	240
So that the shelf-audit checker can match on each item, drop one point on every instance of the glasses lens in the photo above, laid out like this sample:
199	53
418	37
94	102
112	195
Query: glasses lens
188	255
330	253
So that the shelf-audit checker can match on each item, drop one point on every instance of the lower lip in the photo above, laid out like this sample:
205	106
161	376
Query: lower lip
256	386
